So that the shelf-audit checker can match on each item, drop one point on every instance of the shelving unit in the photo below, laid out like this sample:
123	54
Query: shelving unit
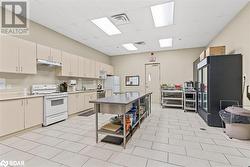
172	98
190	101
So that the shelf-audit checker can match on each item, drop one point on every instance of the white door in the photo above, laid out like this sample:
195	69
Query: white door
152	82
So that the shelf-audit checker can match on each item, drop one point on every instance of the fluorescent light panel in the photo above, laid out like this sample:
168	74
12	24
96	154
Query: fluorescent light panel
106	25
129	46
166	42
163	14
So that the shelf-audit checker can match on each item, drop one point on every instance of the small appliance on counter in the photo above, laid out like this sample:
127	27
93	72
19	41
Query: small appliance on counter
72	85
189	85
55	103
100	92
63	87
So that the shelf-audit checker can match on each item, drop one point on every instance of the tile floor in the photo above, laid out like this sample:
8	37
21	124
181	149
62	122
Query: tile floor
168	138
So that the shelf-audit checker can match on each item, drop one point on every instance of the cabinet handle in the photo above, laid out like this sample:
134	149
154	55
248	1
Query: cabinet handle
27	102
21	68
22	102
16	68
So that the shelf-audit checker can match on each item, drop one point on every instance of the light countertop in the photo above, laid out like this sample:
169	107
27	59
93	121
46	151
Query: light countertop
123	98
16	96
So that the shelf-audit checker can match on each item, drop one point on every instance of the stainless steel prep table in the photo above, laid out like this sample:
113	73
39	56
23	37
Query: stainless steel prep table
120	104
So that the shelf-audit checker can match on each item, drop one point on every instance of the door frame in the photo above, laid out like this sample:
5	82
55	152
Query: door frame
159	64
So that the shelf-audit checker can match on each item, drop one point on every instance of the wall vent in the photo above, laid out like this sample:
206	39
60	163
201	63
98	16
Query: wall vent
120	19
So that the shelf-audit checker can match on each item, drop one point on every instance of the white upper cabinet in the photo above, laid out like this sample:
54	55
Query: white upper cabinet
17	56
43	52
49	54
69	65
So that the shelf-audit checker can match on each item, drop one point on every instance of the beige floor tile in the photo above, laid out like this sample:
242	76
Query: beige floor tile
31	136
212	156
221	149
10	140
99	163
96	152
153	163
45	151
16	155
40	162
71	146
141	143
52	133
70	137
128	160
24	145
216	164
51	141
151	154
186	144
4	149
70	159
240	161
169	148
187	161
245	152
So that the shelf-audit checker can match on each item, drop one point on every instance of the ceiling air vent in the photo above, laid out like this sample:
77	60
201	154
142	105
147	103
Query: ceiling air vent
140	43
120	19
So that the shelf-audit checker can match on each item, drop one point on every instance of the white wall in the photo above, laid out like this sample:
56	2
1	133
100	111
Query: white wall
176	66
236	37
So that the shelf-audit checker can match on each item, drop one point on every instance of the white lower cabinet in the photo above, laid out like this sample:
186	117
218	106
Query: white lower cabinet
33	112
78	102
16	115
11	116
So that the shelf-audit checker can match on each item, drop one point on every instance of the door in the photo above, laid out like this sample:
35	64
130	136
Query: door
74	65
9	61
33	112
11	116
72	103
43	52
152	82
204	88
66	62
56	55
27	57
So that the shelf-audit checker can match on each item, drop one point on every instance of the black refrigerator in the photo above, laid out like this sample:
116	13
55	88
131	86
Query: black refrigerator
219	80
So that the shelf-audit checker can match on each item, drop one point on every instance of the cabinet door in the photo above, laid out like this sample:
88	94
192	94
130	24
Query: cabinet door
66	63
43	52
11	116
97	69
9	54
93	96
72	104
80	66
74	65
56	55
27	57
81	102
33	112
87	68
92	69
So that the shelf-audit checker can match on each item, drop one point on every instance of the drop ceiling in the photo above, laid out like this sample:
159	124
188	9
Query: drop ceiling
196	22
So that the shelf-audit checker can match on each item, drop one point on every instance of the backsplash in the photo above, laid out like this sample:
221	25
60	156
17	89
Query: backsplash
45	75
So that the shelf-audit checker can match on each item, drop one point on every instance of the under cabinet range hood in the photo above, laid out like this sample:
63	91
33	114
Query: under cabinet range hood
48	63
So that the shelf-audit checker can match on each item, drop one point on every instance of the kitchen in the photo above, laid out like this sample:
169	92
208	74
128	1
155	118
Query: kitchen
76	93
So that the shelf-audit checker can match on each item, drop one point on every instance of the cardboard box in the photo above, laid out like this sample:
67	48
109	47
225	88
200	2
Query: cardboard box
203	55
216	50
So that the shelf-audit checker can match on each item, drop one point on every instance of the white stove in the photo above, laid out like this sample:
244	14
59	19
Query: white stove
55	103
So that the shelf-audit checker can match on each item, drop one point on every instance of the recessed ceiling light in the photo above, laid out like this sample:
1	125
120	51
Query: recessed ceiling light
106	25
166	42
163	14
129	46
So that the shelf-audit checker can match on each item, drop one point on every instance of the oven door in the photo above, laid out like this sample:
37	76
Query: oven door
55	105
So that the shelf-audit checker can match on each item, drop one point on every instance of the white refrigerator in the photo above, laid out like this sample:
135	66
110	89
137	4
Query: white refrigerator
112	83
